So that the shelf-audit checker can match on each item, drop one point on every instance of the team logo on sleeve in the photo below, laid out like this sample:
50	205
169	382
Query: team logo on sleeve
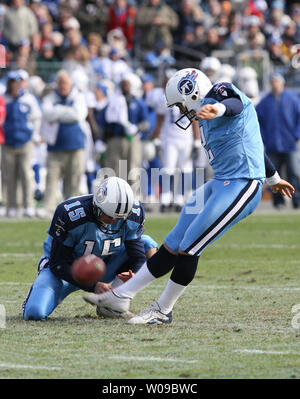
186	85
59	227
221	89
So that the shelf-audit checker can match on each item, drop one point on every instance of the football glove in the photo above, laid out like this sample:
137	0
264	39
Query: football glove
130	129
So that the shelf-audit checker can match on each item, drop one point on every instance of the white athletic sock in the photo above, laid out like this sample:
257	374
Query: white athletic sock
169	296
139	281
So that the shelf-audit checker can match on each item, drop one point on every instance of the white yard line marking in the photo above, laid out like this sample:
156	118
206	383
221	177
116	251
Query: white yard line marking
240	287
151	359
17	255
232	287
13	283
257	246
195	286
265	352
23	244
4	300
254	261
27	366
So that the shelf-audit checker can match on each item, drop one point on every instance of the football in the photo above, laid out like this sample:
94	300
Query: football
88	269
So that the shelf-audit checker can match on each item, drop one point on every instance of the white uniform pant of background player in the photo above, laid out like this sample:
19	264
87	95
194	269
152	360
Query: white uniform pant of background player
176	159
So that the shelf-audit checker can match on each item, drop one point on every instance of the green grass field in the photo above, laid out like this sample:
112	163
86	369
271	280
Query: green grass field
233	321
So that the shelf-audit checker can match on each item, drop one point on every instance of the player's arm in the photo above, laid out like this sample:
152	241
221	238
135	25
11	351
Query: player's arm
137	257
60	262
61	254
273	179
136	253
229	107
133	244
125	276
228	103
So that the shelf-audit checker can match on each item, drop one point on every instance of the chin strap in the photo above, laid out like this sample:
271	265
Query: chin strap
190	115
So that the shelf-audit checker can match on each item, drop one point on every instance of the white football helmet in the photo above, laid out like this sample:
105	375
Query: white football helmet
186	89
114	198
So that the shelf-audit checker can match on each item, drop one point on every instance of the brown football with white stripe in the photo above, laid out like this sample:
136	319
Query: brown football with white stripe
88	269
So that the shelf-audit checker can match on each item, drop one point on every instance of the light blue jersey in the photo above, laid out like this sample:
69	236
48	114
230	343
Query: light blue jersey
235	150
233	144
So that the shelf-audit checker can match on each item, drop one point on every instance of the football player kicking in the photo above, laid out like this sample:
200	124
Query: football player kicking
108	224
231	137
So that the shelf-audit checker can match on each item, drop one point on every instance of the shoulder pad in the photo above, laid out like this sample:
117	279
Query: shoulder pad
70	214
221	91
137	218
138	213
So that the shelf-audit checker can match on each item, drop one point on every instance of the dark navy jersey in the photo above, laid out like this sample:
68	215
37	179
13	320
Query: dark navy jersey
75	226
222	91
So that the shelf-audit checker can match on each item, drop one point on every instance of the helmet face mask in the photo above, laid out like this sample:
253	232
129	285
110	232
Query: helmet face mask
187	117
186	89
106	227
112	202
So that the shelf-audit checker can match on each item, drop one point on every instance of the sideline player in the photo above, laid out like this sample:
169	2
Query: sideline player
176	153
231	137
108	224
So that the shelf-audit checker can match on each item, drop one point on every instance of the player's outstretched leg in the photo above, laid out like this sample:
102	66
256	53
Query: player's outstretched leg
119	299
222	210
160	311
109	300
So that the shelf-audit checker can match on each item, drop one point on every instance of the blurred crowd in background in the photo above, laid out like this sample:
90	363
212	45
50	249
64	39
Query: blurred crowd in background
81	85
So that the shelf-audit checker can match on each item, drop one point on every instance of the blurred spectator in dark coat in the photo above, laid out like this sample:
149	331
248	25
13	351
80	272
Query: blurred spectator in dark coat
295	15
254	37
40	11
212	42
199	32
288	41
47	62
275	52
276	20
222	27
279	118
49	35
189	13
92	16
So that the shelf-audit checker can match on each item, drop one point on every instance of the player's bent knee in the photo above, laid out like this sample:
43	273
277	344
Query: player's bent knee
169	249
181	252
34	312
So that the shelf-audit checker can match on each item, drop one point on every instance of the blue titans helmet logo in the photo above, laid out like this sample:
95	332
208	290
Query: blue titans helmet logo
187	84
